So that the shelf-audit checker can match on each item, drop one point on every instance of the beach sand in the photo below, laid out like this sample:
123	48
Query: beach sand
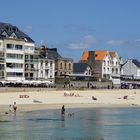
40	99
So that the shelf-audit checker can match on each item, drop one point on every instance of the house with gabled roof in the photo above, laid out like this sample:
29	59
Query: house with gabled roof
132	68
105	64
82	69
100	61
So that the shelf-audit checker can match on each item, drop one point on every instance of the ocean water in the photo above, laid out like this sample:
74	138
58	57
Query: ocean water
85	124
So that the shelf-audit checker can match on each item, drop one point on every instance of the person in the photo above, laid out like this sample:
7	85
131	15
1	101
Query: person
10	108
15	107
63	110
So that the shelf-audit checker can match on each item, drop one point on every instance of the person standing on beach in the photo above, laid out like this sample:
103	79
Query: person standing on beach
15	107
63	110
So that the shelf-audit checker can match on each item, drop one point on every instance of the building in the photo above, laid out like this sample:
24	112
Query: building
101	66
51	65
14	44
63	66
82	69
131	68
44	65
116	68
105	65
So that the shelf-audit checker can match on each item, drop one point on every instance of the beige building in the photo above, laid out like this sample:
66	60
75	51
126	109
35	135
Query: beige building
64	66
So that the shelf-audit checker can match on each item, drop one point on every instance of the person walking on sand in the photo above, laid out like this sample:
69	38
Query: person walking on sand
15	107
63	110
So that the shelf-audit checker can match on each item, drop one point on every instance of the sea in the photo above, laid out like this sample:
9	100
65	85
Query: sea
76	124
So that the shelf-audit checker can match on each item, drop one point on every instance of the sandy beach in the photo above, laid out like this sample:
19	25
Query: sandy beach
37	99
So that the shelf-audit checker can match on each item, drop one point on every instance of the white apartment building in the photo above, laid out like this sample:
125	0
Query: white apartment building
44	66
18	58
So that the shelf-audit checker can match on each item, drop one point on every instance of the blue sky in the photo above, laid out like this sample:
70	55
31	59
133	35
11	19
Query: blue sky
74	26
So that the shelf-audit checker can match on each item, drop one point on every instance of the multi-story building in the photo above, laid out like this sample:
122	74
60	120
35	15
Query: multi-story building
44	65
63	66
20	60
2	70
13	45
131	68
104	64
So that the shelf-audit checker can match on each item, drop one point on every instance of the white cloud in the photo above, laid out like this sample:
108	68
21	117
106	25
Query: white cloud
116	42
84	43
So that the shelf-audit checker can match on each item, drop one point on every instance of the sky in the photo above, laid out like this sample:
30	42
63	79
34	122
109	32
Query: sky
75	26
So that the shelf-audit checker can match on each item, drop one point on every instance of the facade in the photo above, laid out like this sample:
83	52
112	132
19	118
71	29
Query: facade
13	43
20	60
63	66
131	68
44	65
105	64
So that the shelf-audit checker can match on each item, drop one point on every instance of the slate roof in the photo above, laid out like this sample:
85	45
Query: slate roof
136	62
53	54
79	67
9	29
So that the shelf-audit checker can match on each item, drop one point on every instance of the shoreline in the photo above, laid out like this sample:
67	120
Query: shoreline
37	107
54	99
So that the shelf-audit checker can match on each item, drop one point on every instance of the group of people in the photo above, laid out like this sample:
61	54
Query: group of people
13	108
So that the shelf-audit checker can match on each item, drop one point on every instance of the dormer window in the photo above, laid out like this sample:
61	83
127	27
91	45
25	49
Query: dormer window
13	35
7	28
4	34
15	29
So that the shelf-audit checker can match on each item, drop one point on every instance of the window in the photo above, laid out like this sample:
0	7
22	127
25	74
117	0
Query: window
51	63
108	63
69	66
26	56
104	69
61	65
116	71
31	75
104	63
89	71
108	69
32	66
112	70
26	66
41	63
14	74
26	74
10	46
46	63
14	56
18	47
